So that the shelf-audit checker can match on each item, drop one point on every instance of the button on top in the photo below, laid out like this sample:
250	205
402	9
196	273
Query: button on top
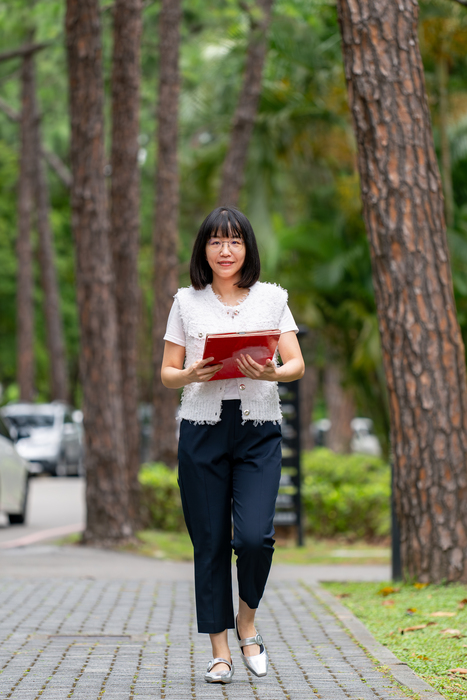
246	413
242	386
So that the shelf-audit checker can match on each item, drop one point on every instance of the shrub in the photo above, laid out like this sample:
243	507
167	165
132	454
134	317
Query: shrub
161	507
346	494
342	495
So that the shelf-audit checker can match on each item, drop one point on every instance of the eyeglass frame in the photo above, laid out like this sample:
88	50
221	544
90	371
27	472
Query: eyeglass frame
223	241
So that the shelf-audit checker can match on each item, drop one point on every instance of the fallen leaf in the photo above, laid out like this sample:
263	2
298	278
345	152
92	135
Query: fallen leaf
452	633
387	590
421	656
419	586
388	601
342	595
463	671
416	627
462	603
440	613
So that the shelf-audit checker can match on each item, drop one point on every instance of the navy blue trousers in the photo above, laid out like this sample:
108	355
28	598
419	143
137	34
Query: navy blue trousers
224	469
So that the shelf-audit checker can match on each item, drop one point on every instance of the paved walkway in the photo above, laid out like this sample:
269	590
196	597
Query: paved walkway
119	639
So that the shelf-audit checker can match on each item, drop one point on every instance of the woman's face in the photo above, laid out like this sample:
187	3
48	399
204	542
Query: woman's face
225	257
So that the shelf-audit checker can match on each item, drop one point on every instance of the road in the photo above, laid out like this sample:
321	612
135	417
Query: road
54	504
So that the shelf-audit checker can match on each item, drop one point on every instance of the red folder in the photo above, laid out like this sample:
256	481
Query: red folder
227	347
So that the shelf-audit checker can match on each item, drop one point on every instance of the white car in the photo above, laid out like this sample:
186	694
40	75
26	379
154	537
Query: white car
363	440
49	436
14	479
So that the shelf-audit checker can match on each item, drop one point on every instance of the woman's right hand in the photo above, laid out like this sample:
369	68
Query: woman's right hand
198	372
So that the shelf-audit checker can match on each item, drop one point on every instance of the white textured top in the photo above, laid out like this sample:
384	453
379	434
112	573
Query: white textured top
201	312
176	334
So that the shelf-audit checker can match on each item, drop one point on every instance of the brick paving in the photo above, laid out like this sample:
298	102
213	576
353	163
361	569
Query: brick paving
89	639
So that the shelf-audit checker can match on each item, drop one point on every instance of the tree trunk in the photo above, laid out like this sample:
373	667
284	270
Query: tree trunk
233	171
124	196
422	347
106	486
53	320
443	76
24	299
341	410
165	401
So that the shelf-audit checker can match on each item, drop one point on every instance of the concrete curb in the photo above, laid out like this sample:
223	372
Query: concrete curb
402	673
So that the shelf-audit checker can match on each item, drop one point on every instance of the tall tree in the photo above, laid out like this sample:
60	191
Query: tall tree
165	400
423	352
124	219
106	484
24	300
233	170
53	319
341	409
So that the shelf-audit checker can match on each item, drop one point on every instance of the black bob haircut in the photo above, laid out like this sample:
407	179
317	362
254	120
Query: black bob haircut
226	222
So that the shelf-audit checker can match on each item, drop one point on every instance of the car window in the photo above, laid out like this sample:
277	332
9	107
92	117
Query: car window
37	420
4	430
68	418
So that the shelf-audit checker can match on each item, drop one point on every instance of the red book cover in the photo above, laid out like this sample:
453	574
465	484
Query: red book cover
227	347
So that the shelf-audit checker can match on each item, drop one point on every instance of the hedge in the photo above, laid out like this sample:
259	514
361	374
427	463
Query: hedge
341	494
161	507
346	494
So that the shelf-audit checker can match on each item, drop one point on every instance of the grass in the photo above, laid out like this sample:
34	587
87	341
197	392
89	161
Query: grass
176	546
432	651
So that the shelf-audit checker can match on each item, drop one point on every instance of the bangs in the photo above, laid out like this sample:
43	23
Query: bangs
225	225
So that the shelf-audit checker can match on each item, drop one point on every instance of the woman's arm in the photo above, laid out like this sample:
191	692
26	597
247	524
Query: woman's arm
175	377
291	355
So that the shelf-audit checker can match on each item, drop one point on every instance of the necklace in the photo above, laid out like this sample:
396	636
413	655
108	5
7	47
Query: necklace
238	300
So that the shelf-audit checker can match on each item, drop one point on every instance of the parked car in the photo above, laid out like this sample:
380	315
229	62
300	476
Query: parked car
363	441
14	479
48	435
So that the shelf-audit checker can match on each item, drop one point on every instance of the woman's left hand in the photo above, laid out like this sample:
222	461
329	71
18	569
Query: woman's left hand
253	370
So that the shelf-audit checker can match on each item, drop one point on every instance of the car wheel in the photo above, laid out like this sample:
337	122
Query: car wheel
62	468
20	518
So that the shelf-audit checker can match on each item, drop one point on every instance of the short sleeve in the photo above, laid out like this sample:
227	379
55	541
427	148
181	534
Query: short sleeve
287	322
174	332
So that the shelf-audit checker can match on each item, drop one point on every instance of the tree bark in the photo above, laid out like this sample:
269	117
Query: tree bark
106	485
165	400
52	159
53	320
24	299
341	410
124	196
233	171
422	347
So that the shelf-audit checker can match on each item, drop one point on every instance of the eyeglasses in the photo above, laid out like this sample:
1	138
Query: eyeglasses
234	244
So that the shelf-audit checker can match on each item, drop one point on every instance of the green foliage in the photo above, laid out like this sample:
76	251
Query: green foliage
301	191
161	506
346	494
342	495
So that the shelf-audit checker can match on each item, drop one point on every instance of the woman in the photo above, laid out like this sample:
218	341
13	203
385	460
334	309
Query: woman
230	436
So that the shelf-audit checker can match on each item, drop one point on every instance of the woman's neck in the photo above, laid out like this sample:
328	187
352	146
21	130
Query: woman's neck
227	290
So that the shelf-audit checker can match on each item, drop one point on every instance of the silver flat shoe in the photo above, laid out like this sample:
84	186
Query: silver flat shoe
256	664
223	676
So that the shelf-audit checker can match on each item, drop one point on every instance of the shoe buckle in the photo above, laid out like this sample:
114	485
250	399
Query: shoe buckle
258	639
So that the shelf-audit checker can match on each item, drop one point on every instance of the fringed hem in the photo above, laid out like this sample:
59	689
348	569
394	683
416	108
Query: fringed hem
262	422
